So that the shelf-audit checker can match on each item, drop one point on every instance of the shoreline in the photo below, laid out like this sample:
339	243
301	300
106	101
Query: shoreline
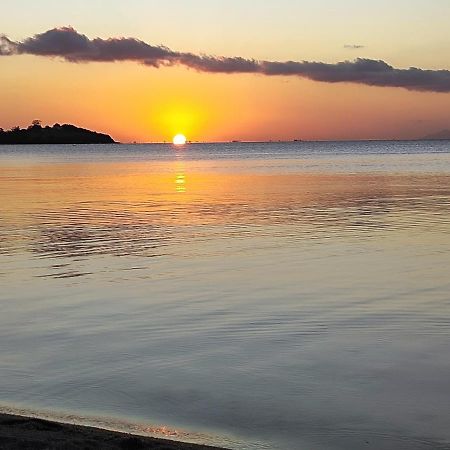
17	431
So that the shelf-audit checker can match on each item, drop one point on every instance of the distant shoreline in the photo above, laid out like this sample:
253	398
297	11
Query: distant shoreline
287	141
29	432
68	134
306	141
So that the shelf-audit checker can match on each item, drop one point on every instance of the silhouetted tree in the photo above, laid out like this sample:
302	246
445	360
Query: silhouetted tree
58	134
36	124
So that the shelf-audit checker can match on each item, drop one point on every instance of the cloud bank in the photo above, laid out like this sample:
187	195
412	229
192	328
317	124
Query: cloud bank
68	44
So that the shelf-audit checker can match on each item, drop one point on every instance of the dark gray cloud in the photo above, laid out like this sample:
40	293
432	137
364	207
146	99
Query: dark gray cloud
213	64
72	46
364	71
354	46
67	43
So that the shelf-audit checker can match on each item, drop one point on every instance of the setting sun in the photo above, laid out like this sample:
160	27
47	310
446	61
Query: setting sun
179	139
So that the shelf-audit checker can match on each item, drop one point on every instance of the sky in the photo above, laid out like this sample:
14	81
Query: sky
139	102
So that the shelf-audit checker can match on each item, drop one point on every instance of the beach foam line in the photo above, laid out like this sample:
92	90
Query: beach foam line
124	427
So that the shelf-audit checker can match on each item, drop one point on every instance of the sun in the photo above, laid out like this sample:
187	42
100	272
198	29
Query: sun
179	139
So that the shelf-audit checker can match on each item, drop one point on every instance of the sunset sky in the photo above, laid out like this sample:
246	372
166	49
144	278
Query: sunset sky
137	102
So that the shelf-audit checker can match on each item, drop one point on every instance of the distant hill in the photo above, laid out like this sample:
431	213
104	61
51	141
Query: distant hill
440	135
58	134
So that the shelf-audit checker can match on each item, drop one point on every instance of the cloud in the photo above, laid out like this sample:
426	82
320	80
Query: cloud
354	46
72	46
7	47
365	71
67	43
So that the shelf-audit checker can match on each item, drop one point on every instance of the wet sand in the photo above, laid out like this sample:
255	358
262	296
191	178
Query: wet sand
18	432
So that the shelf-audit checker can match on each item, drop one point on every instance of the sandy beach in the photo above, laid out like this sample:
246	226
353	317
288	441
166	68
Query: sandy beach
18	432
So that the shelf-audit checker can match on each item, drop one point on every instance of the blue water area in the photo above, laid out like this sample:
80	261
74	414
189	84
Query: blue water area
254	296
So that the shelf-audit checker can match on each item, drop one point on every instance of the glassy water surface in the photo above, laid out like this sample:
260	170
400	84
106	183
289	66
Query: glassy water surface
278	296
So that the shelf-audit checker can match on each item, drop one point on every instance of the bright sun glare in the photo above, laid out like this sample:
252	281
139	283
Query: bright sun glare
179	139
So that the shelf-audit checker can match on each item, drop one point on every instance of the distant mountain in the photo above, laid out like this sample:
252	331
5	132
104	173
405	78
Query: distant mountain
58	134
440	135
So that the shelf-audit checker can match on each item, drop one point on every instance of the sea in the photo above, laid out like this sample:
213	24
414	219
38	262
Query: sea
288	296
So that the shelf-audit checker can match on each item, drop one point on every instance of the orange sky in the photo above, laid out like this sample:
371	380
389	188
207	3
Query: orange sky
136	103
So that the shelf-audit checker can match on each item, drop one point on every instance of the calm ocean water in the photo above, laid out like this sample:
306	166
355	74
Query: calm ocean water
256	296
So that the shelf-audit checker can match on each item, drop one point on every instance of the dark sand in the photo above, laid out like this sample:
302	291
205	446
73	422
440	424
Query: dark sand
35	434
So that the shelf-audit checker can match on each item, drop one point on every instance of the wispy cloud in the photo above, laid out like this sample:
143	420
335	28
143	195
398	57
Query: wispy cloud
72	46
354	46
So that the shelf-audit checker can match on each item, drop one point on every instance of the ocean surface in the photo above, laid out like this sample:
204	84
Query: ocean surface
291	296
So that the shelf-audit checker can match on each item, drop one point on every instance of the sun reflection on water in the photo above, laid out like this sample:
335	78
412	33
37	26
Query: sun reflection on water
180	175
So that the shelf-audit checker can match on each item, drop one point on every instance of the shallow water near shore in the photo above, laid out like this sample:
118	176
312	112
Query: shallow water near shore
279	295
